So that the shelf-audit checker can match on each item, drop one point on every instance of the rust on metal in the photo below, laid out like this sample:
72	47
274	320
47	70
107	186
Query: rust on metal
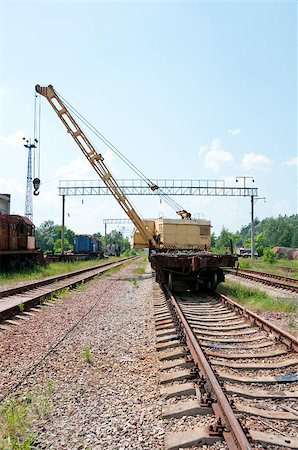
233	433
279	334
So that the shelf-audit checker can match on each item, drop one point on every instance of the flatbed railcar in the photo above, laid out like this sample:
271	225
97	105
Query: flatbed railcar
183	253
194	267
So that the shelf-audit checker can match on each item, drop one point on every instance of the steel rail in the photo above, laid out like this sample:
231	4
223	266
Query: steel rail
11	305
267	279
49	280
269	275
233	433
279	333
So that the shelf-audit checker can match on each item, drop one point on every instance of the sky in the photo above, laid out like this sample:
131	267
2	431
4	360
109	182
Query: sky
185	90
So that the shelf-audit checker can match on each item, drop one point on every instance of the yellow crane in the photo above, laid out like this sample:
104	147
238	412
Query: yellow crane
193	237
96	160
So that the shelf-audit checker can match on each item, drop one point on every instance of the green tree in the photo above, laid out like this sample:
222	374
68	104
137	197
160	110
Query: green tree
58	245
269	232
222	243
269	255
48	237
69	236
294	242
45	236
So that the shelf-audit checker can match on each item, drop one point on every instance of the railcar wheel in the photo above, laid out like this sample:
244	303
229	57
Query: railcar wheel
213	281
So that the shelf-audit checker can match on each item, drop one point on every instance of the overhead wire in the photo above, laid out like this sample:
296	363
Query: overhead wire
36	136
172	203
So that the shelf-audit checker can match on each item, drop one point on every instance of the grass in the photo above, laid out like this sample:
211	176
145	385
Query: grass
278	267
49	270
17	417
256	299
140	269
21	307
86	354
134	281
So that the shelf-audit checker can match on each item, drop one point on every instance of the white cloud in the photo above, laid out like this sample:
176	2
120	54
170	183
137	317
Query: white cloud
255	161
215	156
76	169
13	139
12	186
234	131
291	162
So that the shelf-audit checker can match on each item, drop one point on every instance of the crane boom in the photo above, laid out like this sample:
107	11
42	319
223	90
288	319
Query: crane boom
95	159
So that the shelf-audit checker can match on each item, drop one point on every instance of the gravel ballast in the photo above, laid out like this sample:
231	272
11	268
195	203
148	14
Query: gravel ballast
112	402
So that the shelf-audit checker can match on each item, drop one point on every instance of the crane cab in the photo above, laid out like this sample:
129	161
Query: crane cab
176	233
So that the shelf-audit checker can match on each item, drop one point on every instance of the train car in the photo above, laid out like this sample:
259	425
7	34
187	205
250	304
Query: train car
87	244
17	243
184	252
113	249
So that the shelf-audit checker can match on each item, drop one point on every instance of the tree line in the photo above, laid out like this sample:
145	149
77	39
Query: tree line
270	232
48	238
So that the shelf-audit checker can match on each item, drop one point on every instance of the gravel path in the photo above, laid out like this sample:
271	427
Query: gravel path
112	402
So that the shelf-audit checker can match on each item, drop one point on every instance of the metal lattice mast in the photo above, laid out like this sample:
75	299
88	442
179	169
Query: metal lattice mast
29	198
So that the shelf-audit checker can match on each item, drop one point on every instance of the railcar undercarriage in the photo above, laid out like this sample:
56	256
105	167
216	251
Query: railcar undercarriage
190	266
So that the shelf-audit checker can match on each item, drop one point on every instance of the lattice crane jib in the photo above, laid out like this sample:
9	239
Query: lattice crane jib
94	158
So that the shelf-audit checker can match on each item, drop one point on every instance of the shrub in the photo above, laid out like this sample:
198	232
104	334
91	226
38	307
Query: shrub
269	255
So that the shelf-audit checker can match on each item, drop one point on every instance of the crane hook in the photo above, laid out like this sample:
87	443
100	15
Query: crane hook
36	184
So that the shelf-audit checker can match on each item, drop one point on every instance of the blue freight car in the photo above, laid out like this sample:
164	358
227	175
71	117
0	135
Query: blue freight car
85	243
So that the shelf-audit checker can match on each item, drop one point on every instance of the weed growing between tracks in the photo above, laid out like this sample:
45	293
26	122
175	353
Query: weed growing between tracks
138	271
21	307
256	299
18	414
86	354
51	269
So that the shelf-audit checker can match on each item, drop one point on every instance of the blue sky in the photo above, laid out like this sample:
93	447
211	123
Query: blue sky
191	90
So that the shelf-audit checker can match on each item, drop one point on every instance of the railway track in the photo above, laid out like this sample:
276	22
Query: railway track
273	280
21	299
230	365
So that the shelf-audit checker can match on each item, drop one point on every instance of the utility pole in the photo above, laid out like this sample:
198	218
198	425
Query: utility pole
63	225
252	231
28	201
253	201
252	228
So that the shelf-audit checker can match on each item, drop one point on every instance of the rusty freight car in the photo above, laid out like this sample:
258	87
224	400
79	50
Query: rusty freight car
17	243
